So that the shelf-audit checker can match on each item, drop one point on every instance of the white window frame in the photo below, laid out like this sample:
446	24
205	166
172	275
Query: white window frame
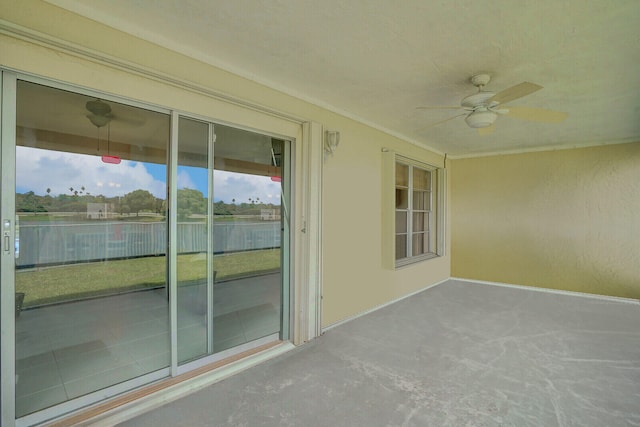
437	228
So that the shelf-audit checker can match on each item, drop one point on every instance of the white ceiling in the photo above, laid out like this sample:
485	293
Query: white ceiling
377	60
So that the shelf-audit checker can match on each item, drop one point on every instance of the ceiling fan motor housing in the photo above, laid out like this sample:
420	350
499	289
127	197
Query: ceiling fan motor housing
481	118
480	79
98	107
100	112
477	100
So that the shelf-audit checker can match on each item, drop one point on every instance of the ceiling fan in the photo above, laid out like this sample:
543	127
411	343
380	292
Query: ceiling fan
483	107
101	114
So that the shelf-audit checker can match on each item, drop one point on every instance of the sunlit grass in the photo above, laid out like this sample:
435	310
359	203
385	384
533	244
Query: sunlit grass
74	281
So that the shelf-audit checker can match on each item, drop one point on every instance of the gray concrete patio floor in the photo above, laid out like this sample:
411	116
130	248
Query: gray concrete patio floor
458	354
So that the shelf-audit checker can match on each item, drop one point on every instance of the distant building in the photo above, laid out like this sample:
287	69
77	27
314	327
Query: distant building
96	210
269	214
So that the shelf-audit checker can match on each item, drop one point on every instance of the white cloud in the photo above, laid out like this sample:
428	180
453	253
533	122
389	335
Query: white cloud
37	170
185	181
241	187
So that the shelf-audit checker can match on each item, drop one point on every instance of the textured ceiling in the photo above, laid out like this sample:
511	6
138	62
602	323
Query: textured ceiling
377	60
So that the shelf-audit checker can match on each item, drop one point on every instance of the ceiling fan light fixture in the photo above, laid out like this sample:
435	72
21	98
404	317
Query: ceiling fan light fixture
481	119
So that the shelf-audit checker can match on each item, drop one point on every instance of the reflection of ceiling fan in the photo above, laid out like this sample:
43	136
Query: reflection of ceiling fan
482	108
101	114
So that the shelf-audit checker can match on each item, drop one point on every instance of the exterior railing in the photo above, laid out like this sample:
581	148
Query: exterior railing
66	243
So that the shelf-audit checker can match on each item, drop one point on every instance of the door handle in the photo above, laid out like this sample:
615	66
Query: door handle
6	232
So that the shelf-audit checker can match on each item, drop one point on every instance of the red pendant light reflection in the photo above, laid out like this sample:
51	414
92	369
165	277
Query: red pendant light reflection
114	160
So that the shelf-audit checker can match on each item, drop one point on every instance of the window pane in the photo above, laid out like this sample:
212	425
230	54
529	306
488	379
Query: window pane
401	221
422	200
402	175
421	179
420	245
431	241
402	198
401	246
420	221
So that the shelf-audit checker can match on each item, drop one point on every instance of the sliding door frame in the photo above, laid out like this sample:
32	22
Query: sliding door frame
7	265
286	253
8	143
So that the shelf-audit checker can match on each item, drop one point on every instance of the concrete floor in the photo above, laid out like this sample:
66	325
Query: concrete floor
458	354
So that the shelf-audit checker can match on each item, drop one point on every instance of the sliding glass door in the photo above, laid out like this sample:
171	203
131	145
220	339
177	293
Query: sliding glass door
194	263
229	238
247	237
116	246
90	245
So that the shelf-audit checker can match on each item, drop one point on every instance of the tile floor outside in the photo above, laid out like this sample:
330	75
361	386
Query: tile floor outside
68	350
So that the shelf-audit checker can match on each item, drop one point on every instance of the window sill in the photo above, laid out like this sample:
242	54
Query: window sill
416	259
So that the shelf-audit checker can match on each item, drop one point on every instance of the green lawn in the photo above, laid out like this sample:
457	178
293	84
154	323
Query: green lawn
68	282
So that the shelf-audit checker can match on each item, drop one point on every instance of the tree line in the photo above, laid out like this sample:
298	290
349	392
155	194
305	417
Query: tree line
189	202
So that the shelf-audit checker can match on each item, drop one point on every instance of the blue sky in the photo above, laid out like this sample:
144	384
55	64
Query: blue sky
229	185
37	170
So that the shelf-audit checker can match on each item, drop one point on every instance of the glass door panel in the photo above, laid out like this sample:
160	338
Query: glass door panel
194	246
247	296
91	245
229	238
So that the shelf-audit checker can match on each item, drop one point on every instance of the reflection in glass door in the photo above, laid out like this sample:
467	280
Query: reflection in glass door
248	239
91	243
194	266
89	266
229	238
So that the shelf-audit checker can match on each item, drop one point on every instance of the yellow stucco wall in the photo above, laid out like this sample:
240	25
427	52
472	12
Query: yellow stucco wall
567	219
353	277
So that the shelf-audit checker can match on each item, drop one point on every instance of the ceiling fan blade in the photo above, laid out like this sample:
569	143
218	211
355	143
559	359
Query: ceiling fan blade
440	108
486	131
445	120
514	92
130	120
537	114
